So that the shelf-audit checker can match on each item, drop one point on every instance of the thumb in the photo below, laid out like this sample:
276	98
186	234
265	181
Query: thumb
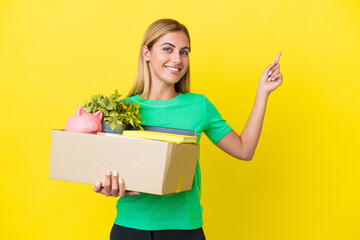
132	193
97	187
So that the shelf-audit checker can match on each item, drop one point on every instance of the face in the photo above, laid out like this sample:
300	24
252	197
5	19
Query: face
168	58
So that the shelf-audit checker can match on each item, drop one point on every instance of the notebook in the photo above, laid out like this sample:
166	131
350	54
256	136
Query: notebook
168	137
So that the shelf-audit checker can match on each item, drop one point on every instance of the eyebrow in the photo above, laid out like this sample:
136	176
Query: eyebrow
174	45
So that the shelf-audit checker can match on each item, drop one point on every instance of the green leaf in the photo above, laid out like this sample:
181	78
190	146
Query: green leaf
104	111
109	107
102	103
114	114
123	105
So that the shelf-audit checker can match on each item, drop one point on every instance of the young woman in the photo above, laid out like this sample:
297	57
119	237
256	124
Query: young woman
163	83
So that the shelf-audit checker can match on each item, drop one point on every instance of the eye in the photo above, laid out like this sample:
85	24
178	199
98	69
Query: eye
167	49
184	53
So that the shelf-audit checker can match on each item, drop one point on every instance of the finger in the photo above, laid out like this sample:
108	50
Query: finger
278	57
107	188
121	187
276	77
97	187
270	66
131	193
276	66
114	185
276	71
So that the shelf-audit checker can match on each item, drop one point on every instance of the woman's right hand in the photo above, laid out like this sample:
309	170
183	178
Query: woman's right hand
114	186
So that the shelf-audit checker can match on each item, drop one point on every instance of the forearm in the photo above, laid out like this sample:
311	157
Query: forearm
251	132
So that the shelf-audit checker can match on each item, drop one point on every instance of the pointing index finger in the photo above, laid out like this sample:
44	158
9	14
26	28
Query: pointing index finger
278	57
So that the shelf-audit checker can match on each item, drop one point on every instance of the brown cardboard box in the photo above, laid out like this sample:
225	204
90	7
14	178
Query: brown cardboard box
148	166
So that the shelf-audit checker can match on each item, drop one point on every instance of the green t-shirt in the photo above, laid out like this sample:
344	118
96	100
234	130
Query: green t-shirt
180	210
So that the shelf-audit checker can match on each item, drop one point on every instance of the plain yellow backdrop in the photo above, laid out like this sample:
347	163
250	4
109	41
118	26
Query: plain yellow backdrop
303	182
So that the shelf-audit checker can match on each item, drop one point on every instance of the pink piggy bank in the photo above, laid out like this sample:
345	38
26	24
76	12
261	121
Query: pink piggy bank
84	122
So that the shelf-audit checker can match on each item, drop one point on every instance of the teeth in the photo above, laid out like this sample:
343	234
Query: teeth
173	69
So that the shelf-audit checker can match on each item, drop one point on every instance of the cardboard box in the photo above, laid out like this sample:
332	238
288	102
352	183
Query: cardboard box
148	166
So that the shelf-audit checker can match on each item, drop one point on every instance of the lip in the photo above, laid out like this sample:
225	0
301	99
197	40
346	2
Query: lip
174	72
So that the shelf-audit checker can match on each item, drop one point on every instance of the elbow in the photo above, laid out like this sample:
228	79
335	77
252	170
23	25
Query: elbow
249	156
245	153
248	159
245	158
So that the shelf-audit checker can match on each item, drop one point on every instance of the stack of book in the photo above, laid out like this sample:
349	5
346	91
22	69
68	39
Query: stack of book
160	133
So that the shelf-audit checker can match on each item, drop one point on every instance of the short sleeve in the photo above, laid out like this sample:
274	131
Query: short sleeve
216	127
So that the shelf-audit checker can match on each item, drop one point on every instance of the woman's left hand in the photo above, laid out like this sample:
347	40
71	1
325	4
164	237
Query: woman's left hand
271	77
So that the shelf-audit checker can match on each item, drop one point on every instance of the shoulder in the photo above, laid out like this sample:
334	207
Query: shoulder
197	98
133	99
194	96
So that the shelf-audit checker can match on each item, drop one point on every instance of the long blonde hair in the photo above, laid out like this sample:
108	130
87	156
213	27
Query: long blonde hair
156	30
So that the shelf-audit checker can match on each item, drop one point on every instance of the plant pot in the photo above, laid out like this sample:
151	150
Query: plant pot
118	129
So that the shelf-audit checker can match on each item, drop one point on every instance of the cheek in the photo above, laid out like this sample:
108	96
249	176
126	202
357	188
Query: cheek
159	61
158	56
164	59
186	63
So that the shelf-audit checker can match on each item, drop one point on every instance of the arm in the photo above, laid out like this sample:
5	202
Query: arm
243	146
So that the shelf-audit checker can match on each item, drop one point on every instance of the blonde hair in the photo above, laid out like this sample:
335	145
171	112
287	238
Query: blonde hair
156	30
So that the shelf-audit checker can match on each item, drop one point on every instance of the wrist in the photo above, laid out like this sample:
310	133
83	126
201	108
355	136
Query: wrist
262	95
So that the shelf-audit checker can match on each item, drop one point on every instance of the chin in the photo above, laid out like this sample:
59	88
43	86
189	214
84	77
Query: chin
174	82
171	81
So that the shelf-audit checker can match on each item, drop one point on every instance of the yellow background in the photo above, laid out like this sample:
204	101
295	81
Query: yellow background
303	182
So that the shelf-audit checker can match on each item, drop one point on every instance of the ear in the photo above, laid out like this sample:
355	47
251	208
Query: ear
80	111
145	53
99	114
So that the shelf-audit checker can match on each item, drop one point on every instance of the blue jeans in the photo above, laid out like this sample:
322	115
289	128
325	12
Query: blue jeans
123	233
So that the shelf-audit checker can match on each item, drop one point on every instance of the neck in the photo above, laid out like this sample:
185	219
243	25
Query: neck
162	92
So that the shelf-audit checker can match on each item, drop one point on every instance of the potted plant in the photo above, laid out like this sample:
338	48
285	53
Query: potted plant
117	113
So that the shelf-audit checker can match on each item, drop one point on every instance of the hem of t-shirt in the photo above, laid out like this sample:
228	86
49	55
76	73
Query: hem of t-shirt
163	225
221	134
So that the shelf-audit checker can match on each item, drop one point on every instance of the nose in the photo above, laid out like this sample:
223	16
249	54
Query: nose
176	57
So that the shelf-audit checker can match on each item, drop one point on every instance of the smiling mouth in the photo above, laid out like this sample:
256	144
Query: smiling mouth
173	69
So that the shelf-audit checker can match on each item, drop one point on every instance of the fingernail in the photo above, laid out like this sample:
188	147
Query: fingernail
115	173
269	79
269	73
97	184
108	172
121	180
